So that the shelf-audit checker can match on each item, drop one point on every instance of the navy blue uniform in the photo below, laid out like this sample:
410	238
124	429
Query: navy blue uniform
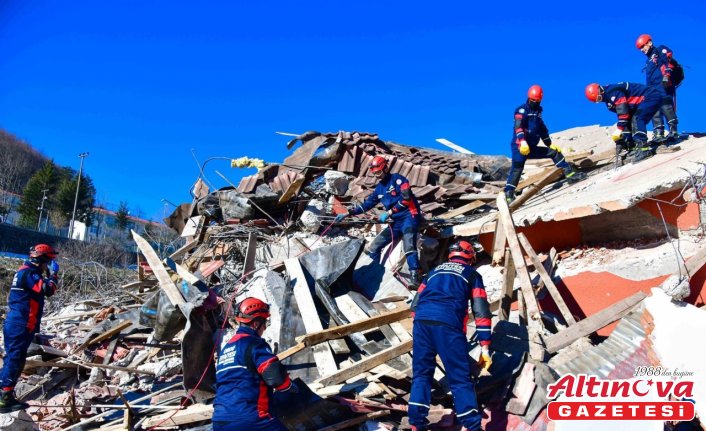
247	372
395	195
658	69
441	314
529	126
635	105
26	306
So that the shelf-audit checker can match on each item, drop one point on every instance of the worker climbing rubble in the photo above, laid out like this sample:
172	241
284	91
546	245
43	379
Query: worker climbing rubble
247	372
35	280
441	314
402	211
529	129
635	105
659	74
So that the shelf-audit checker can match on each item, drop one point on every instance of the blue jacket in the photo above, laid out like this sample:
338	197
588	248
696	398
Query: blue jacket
625	98
529	126
395	194
246	373
658	65
444	295
26	298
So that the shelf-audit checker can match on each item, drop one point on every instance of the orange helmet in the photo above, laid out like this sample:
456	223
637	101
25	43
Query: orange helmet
379	164
250	309
642	40
535	93
463	250
594	92
42	251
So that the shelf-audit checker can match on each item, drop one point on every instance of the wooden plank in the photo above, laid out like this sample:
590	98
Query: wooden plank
534	320
499	241
551	287
165	282
477	197
366	364
191	414
355	421
73	364
249	265
508	283
109	351
533	188
593	323
181	251
462	210
105	335
292	190
314	338
325	363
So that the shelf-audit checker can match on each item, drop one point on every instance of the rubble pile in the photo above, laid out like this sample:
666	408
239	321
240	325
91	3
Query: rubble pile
340	322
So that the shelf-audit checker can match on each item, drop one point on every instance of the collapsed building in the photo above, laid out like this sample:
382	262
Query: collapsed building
597	277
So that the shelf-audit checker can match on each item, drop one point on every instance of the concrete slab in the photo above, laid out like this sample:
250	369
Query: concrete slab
613	190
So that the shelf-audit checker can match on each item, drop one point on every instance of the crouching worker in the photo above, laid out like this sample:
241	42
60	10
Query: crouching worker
402	211
529	129
247	373
35	280
440	316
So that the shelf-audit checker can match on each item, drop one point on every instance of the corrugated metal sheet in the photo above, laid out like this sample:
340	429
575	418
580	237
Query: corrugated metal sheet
248	184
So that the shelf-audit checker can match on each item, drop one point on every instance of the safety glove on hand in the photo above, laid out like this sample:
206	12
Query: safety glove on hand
484	360
524	148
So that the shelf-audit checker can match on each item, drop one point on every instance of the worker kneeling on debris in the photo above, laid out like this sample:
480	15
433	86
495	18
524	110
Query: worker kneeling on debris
247	372
401	209
35	280
441	313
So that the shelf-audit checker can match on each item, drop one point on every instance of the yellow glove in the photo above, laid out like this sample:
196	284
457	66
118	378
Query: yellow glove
617	135
247	162
524	148
555	147
484	360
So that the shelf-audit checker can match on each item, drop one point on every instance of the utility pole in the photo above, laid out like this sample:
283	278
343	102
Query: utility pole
41	209
78	184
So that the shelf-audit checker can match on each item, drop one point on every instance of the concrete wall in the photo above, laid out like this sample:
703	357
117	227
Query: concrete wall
14	239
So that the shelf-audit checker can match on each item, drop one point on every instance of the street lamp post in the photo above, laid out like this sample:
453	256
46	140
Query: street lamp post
41	209
78	184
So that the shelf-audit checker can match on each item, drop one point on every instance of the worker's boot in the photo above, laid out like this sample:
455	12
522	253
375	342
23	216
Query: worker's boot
658	136
415	279
509	196
8	402
673	136
643	151
573	176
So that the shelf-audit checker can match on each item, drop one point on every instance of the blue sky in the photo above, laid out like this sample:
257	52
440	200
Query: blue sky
140	84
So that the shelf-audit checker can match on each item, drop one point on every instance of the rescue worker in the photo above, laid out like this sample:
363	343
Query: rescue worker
529	129
440	316
35	280
247	372
658	71
635	105
401	210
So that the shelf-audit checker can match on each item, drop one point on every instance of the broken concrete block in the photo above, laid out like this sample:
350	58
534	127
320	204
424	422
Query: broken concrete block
310	217
234	205
676	288
336	183
16	421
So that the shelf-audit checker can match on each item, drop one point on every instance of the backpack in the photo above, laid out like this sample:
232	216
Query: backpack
677	73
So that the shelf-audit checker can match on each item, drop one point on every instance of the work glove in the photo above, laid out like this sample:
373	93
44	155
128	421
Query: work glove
666	83
618	135
49	287
384	216
555	147
340	217
524	148
53	269
484	360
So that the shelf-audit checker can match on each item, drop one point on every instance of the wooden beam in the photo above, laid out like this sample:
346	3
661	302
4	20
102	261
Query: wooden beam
191	414
165	282
355	421
548	282
593	323
535	187
499	241
534	320
35	364
462	210
508	283
366	364
181	251
105	335
325	362
249	265
341	331
477	197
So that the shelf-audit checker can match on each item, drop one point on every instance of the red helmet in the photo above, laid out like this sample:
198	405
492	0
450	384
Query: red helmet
250	309
464	250
379	164
642	40
42	250
535	93
594	92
